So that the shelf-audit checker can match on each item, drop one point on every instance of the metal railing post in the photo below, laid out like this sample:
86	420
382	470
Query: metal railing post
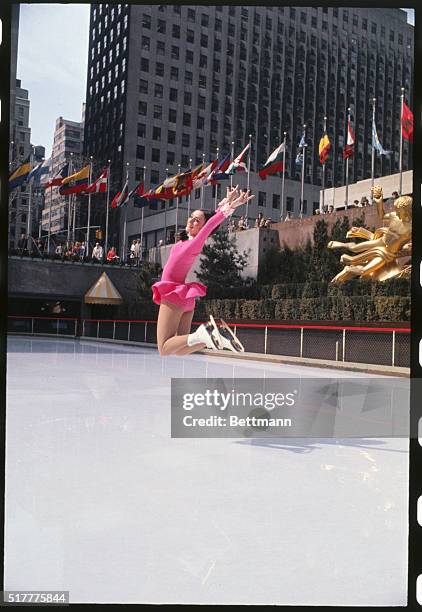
336	350
301	342
114	330
76	327
32	326
83	328
57	327
344	345
265	339
98	329
145	332
393	351
128	332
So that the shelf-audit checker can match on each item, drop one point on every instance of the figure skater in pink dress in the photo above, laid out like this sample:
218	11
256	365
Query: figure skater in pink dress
177	298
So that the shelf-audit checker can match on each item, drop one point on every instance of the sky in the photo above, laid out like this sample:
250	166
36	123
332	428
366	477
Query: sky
52	64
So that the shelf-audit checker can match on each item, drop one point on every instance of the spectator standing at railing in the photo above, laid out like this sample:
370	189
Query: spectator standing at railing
267	223
59	250
82	251
22	244
138	251
112	256
97	252
241	223
258	220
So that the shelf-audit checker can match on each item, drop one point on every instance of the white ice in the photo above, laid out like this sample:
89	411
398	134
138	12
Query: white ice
101	501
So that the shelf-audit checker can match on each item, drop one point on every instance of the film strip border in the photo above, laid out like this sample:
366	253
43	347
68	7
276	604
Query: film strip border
415	468
5	62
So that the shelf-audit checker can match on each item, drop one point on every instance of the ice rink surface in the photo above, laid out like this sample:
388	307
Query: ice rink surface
101	501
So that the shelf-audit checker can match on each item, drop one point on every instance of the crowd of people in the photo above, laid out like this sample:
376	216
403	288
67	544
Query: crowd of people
362	203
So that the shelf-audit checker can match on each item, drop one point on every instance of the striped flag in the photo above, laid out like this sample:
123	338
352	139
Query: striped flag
238	165
324	148
58	178
122	197
349	148
20	175
274	163
75	183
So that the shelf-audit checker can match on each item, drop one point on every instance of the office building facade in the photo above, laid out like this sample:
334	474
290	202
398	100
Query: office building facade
167	84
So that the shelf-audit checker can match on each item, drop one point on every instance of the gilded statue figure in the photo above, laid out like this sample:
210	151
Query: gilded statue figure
384	253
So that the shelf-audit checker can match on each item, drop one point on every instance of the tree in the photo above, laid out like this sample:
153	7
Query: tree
221	262
146	276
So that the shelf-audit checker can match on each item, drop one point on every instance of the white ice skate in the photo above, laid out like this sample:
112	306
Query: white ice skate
208	334
229	339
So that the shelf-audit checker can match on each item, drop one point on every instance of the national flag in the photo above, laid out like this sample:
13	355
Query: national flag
58	178
204	175
324	148
299	156
238	165
100	184
219	172
20	175
75	183
376	141
122	197
274	163
349	148
183	184
407	123
38	171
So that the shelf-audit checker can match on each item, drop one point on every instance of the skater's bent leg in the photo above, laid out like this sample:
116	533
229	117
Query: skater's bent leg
184	330
169	343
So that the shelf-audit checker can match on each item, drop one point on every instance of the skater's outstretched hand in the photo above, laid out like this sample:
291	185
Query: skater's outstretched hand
233	200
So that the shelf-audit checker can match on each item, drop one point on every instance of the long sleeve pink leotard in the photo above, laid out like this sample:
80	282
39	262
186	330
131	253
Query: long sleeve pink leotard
172	286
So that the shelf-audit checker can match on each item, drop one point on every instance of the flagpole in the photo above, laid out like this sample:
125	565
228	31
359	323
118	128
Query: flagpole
89	207
323	172
141	249
302	189
374	101
216	186
73	196
165	210
347	164
179	166
29	230
124	226
107	207
202	186
249	179
231	160
401	142
283	177
190	192
69	203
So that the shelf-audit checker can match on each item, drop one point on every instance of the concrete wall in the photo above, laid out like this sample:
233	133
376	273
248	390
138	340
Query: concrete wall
63	280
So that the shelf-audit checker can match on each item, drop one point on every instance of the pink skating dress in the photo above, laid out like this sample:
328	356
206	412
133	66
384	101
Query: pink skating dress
172	286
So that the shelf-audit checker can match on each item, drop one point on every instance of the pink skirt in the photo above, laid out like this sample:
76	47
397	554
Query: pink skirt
180	294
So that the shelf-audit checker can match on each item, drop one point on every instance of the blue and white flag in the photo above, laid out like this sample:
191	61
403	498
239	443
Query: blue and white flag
38	171
376	141
299	156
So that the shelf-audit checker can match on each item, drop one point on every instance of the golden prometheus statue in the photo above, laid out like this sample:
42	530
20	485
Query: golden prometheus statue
381	255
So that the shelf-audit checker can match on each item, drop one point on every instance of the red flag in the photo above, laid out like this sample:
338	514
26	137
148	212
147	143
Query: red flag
349	148
121	198
100	185
407	123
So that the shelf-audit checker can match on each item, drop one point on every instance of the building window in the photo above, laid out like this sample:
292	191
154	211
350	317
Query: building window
188	77
186	119
158	90
172	115
188	98
171	137
158	112
204	40
161	48
174	73
161	26
155	177
202	61
189	57
173	94
200	122
156	133
190	36
191	15
143	86
276	200
175	52
176	31
204	20
155	155
218	25
261	198
142	130
170	157
140	152
144	64
201	101
289	204
146	21
185	140
145	43
159	69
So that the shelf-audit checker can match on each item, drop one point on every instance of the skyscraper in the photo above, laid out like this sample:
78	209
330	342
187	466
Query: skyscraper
169	83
